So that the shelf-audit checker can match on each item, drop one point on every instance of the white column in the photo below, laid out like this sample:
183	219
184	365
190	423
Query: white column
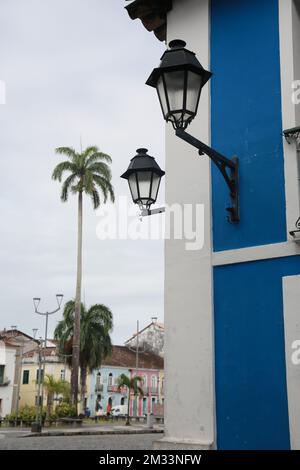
291	301
289	29
189	349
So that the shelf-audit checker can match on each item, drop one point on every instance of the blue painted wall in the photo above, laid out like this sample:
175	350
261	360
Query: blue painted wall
251	394
105	394
246	120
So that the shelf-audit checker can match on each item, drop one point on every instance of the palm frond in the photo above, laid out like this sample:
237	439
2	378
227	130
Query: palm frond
96	199
105	186
67	186
100	168
68	151
88	183
98	157
90	151
61	168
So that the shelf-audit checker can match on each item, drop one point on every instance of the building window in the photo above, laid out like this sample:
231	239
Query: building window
153	402
110	380
2	374
98	380
37	375
25	377
154	383
62	374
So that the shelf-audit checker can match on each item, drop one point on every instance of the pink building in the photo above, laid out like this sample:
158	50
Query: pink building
152	389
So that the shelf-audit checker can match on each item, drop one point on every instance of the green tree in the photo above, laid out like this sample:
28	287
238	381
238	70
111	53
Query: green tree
55	387
90	174
95	341
132	384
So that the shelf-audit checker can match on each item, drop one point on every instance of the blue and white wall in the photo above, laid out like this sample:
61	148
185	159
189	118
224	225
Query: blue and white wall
239	322
246	120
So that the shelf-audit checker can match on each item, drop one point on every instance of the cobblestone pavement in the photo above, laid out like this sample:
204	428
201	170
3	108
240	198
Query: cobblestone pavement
11	440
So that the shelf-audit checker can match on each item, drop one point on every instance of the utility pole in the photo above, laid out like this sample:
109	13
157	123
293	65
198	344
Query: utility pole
137	348
37	427
36	302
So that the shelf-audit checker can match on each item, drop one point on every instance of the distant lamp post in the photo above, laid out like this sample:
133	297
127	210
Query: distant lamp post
179	80
144	176
36	302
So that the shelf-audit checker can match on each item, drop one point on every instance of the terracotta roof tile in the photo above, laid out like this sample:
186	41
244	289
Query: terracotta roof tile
124	357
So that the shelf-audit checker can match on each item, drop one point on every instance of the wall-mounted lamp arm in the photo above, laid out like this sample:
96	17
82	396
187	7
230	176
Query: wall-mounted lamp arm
228	167
146	212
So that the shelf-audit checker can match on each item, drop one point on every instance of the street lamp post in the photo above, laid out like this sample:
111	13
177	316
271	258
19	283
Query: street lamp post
19	371
37	426
36	302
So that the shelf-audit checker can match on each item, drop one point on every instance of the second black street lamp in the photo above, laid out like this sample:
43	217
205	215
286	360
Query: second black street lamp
179	80
143	176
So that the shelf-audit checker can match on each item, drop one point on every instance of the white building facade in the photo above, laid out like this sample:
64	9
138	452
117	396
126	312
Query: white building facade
7	376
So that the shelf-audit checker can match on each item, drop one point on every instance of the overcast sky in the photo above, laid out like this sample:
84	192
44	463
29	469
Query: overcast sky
73	69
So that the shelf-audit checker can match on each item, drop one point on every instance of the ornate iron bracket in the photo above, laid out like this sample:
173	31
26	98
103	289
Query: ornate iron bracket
292	134
294	232
228	168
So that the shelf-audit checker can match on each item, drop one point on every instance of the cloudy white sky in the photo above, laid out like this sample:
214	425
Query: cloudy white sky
73	68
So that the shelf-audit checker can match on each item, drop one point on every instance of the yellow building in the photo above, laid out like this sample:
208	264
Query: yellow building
30	371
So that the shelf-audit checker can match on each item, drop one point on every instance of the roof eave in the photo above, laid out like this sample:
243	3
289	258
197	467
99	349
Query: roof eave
153	15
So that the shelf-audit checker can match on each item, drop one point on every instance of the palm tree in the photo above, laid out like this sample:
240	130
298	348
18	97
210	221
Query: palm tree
89	173
55	387
132	384
95	342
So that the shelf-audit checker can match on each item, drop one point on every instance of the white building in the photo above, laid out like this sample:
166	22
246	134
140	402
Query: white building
7	375
13	345
151	338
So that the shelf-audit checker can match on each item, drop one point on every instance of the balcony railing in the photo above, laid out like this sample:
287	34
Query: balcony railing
112	388
149	390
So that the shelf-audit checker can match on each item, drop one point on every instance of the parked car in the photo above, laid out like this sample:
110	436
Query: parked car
120	410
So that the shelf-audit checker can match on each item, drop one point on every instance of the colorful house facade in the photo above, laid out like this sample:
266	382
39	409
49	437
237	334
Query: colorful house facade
240	293
30	370
104	382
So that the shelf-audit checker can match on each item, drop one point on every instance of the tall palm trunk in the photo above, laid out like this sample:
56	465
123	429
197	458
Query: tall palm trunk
83	376
76	336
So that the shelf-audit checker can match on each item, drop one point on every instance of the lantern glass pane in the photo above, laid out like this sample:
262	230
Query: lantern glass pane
175	89
133	186
162	96
194	84
144	182
155	186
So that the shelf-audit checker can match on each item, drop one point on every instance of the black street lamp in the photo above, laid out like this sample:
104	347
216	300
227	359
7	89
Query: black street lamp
179	80
143	176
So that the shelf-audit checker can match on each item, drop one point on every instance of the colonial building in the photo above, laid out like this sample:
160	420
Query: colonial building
231	308
104	382
8	353
30	372
150	338
14	344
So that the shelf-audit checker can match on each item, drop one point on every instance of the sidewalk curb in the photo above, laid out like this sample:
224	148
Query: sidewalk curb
94	433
